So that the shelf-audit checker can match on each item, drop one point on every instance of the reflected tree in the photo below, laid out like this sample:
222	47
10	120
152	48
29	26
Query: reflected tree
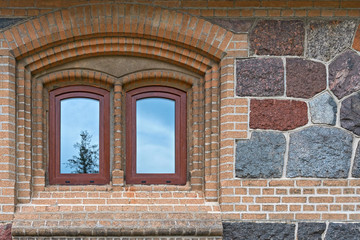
88	158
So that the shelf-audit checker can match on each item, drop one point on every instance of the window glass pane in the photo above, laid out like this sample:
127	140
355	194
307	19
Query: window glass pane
155	135
79	133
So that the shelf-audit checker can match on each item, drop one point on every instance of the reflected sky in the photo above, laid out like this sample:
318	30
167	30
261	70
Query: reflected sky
77	114
155	135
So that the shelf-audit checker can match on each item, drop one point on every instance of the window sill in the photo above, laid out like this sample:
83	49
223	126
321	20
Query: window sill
86	188
109	187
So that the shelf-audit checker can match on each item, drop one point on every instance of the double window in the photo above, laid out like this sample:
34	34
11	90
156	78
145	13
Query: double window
80	136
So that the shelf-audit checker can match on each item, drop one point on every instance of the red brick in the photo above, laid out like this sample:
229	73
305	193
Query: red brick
321	199
268	199
293	199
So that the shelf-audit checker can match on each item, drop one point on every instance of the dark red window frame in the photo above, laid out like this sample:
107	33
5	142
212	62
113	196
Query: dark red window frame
103	96
179	177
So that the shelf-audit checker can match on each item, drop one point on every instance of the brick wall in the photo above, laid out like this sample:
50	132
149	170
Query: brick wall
273	133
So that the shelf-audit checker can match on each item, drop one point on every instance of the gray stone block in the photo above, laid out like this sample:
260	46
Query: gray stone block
349	113
326	39
310	231
343	231
356	168
321	152
323	109
262	156
258	231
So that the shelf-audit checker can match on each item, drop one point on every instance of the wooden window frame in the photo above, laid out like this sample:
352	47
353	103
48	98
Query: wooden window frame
179	177
55	96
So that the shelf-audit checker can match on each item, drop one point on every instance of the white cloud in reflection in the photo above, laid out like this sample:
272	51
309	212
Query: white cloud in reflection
155	125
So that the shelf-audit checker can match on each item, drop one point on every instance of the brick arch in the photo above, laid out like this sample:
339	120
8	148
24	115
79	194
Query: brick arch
74	74
86	31
98	20
84	48
159	74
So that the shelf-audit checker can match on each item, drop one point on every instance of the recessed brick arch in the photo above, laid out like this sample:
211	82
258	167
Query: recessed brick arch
41	45
129	46
98	20
161	74
72	74
111	29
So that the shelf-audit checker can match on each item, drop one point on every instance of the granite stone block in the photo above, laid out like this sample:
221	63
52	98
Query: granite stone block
304	78
326	39
278	38
310	230
349	113
258	231
344	74
321	152
260	77
323	109
262	156
277	114
356	168
343	231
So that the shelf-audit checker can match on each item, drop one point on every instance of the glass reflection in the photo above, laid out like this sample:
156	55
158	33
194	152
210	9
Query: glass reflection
155	135
79	133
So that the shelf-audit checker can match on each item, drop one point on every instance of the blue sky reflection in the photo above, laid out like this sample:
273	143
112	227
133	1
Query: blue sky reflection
77	114
155	135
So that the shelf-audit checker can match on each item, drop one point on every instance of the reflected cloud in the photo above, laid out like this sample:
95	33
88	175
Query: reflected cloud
155	134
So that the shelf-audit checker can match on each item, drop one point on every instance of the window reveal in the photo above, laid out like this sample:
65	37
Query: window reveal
156	136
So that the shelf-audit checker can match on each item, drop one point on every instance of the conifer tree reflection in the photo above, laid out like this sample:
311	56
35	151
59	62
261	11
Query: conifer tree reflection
88	157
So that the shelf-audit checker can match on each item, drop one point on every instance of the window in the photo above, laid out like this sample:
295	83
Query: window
79	135
156	136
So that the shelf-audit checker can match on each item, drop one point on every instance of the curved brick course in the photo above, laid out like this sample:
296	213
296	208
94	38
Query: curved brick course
277	114
77	22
